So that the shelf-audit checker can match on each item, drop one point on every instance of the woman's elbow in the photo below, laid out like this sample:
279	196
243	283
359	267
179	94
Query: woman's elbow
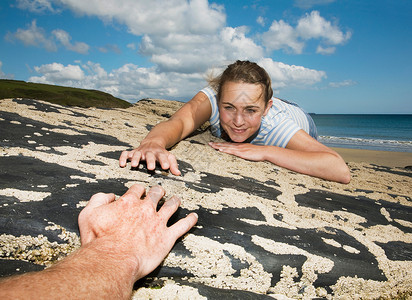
346	177
344	173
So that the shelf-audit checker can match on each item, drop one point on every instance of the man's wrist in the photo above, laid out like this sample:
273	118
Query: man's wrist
102	261
96	270
115	252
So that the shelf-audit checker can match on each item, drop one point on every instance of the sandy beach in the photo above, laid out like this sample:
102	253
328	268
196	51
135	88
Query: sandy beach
382	158
264	232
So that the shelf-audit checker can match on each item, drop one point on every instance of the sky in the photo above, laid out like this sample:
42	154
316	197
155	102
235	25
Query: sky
329	56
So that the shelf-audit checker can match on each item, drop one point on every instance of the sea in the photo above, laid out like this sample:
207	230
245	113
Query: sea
372	132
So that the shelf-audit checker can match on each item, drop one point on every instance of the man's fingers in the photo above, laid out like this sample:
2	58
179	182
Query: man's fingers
155	193
100	199
183	225
135	192
86	215
86	235
169	207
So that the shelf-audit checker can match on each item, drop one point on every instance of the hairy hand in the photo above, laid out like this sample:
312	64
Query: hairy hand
243	150
151	153
134	228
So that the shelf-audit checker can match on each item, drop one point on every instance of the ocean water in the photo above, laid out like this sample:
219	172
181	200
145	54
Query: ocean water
373	132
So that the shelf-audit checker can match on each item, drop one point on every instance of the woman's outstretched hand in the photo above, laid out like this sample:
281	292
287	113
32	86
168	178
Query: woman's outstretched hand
151	153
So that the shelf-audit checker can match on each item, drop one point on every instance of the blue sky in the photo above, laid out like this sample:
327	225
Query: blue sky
329	56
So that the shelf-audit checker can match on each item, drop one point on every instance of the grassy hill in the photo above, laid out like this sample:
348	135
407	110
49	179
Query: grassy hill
59	94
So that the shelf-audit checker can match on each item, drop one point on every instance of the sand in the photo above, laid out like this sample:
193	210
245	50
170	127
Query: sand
263	231
381	158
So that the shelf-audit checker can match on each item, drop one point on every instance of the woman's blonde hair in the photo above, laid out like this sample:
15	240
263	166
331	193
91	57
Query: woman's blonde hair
246	72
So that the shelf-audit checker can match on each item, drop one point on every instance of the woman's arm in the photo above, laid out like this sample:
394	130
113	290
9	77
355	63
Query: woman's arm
303	154
306	155
166	134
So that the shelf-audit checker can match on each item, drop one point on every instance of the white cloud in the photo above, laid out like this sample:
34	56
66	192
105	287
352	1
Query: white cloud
37	36
156	16
64	38
325	50
343	83
33	36
282	35
306	4
111	48
57	73
188	53
2	74
286	75
129	82
238	46
260	20
184	40
131	46
313	26
177	35
36	6
132	83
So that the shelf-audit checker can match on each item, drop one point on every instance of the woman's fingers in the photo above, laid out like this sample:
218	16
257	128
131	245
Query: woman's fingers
166	160
123	158
150	160
163	160
135	158
174	168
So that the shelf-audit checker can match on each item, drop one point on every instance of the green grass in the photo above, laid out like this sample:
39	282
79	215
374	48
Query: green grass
59	94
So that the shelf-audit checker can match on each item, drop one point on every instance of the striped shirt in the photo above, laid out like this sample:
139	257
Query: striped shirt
279	125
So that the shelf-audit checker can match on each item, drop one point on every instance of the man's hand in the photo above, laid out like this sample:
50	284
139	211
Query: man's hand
122	241
137	231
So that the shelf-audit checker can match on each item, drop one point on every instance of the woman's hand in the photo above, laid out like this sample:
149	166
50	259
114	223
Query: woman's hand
303	154
166	134
150	152
242	150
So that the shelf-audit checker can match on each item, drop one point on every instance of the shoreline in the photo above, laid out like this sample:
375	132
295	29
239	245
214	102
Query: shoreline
383	158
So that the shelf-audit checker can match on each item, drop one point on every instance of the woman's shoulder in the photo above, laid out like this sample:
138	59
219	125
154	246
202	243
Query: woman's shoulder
284	102
209	91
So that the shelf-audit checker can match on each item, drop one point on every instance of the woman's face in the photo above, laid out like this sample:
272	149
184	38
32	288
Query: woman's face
241	108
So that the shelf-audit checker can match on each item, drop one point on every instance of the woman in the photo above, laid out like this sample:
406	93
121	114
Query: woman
259	127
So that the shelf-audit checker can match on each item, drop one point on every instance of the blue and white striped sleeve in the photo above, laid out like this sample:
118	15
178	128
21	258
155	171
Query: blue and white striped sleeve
281	134
214	117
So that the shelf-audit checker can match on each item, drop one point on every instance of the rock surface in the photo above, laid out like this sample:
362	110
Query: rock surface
263	231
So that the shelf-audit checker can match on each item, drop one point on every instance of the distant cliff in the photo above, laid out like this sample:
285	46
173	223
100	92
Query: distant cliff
59	94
